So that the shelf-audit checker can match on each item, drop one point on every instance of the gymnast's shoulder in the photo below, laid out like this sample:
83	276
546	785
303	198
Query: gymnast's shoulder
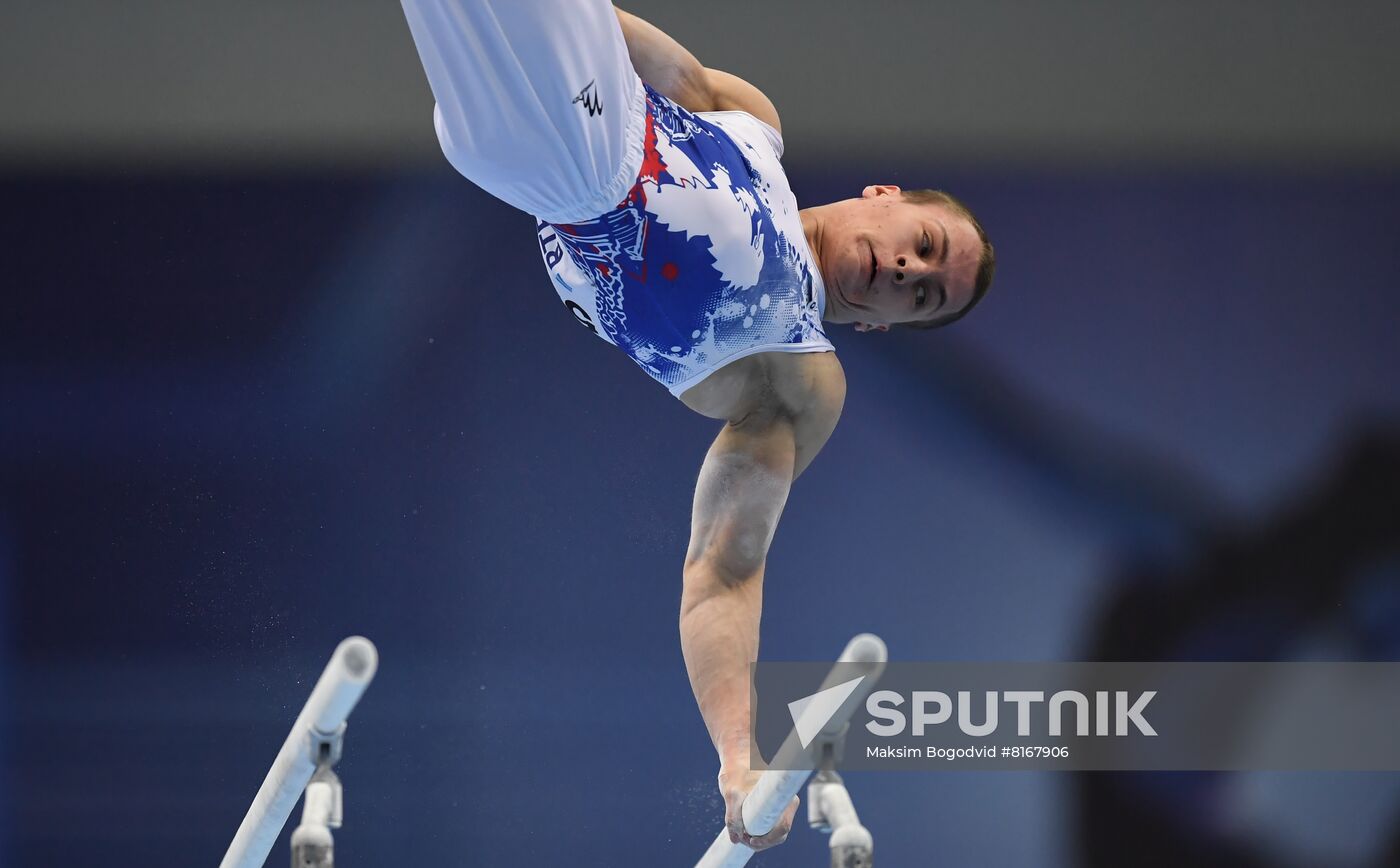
811	384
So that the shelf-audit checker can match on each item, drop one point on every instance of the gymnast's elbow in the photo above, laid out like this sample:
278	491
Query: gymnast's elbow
719	570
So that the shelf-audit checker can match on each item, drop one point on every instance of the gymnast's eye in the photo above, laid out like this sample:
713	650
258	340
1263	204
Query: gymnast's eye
927	247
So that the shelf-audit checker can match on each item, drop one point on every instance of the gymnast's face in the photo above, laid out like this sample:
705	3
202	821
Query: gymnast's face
887	261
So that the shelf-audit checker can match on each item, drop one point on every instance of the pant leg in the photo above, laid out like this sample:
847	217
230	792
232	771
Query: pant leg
537	100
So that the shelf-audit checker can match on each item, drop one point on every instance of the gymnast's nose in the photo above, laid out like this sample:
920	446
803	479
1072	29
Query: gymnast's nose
908	268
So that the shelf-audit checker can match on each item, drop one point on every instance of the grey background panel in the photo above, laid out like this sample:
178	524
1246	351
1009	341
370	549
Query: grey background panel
990	82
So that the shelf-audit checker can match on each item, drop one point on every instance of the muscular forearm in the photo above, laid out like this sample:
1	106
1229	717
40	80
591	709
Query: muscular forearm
739	498
662	62
719	639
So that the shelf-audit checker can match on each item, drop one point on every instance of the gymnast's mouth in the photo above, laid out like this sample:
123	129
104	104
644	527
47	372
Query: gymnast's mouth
874	268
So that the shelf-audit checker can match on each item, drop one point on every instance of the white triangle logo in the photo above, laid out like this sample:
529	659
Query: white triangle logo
811	713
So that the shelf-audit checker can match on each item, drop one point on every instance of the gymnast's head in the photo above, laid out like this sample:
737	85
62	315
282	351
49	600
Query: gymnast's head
914	258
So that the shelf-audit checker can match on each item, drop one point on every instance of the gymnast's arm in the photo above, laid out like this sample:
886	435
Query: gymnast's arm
667	66
739	497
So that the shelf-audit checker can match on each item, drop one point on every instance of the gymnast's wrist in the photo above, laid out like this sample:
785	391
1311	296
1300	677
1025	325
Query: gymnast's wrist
735	754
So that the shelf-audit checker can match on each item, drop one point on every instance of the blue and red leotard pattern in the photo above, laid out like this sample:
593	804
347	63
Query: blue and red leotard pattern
704	262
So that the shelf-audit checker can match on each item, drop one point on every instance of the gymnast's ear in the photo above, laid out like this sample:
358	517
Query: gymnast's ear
867	327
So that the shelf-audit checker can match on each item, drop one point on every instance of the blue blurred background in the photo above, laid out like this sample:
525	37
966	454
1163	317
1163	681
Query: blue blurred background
271	374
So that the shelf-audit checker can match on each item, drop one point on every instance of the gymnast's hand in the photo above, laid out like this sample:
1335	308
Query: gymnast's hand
734	785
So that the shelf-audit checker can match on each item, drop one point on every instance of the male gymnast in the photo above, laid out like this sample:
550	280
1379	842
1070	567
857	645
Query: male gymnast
669	230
